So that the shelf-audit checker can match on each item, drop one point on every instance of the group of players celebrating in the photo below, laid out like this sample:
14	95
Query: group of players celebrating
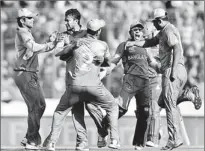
88	61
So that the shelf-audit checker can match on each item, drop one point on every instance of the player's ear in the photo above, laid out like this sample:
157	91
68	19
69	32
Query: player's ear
131	33
159	21
22	20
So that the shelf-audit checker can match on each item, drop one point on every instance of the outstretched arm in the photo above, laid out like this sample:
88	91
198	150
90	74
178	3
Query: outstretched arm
143	43
32	46
113	62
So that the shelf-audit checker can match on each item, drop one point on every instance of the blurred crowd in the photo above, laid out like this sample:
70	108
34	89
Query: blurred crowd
187	16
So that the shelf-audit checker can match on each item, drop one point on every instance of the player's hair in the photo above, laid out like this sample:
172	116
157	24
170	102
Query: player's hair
75	13
91	32
19	22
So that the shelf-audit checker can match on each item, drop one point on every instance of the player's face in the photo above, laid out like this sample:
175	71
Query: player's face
70	22
28	22
136	33
156	24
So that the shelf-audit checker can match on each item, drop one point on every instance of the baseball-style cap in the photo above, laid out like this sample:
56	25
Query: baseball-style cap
95	24
159	13
136	24
24	12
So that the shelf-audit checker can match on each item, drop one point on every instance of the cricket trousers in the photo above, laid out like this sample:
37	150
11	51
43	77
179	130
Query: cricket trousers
98	95
155	119
135	86
79	122
29	86
169	96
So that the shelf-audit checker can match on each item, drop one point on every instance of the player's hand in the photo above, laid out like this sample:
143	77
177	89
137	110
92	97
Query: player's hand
60	37
53	36
129	44
103	72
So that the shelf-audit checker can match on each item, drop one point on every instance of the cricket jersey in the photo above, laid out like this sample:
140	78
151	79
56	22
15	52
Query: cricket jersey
135	62
167	38
69	37
27	51
86	62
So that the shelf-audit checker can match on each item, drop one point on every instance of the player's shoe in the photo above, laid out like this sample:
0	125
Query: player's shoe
23	142
114	144
197	101
138	147
151	144
83	146
171	146
32	146
102	141
50	147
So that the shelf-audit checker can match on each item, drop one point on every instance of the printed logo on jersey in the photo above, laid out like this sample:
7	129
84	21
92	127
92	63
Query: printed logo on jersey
137	56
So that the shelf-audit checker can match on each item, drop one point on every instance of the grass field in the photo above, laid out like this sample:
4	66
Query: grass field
183	148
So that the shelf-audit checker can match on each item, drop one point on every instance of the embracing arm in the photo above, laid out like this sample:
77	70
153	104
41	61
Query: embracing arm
143	43
67	50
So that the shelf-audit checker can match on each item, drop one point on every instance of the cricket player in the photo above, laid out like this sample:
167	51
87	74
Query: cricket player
174	75
135	81
89	54
25	75
74	31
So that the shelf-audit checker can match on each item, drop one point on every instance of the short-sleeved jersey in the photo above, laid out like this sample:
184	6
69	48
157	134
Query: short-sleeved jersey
86	61
27	51
69	37
167	38
135	61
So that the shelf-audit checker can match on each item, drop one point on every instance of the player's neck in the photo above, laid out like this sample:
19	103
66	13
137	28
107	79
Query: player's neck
92	36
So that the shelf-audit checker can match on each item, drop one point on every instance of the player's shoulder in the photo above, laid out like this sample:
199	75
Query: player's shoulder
122	45
170	28
81	33
100	42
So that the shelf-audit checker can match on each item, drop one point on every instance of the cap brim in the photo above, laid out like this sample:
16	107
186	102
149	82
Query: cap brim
31	15
137	25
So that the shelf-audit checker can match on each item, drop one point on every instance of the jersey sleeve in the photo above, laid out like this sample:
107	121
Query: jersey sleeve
171	38
31	45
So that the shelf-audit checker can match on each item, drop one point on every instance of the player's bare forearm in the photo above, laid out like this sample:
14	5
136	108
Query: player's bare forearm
176	57
142	43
